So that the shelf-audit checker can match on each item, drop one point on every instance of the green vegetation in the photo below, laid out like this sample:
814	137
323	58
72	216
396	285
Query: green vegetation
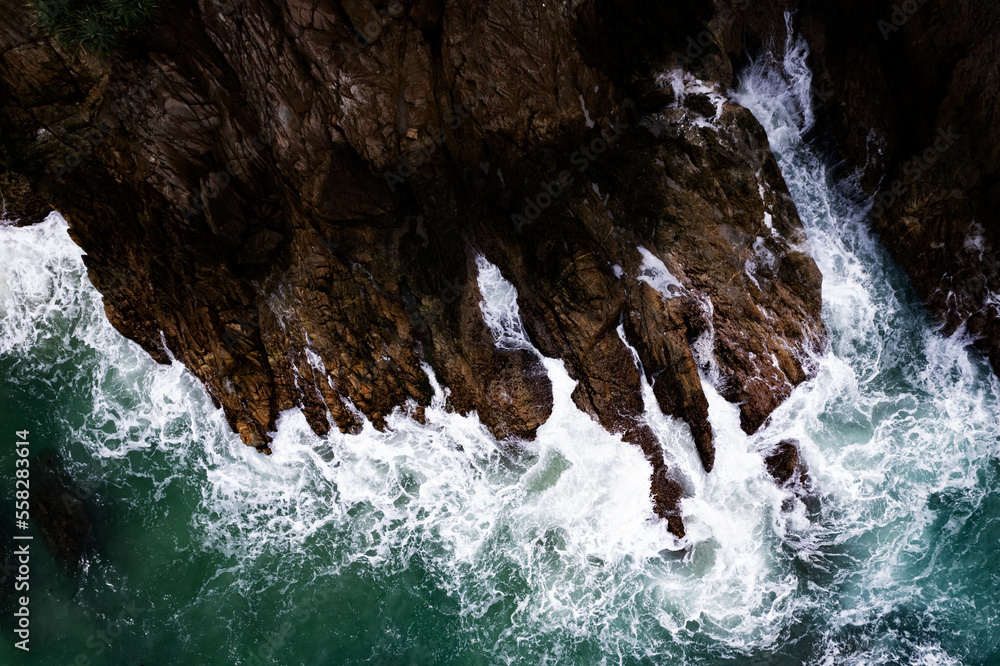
99	26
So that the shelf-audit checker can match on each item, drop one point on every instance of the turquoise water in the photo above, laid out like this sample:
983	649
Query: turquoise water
435	545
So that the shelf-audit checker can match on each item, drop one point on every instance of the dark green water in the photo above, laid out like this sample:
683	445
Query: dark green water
432	545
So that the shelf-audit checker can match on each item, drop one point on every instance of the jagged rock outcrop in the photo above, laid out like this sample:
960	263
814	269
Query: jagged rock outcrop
783	461
784	464
290	198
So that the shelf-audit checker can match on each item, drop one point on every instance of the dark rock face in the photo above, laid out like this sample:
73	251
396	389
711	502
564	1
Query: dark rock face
19	203
916	89
291	199
784	463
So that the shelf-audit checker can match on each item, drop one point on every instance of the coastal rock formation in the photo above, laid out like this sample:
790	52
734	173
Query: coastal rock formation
915	92
905	96
293	200
784	464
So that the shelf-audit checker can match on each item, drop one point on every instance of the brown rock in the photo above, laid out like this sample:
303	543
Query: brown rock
253	203
660	333
19	203
912	101
784	463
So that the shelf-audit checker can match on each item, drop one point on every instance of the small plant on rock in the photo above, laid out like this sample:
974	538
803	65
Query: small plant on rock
99	26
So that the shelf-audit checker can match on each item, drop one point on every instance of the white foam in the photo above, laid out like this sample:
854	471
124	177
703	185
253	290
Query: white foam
499	307
39	283
683	84
655	273
586	114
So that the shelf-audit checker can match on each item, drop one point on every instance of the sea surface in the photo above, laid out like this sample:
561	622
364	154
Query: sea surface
435	544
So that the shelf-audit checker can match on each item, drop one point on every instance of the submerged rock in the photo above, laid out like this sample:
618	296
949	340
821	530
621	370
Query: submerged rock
58	510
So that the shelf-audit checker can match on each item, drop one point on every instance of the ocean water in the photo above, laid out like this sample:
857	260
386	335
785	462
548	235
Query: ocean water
435	544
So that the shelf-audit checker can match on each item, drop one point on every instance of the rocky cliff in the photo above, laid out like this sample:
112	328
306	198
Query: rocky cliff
915	96
292	197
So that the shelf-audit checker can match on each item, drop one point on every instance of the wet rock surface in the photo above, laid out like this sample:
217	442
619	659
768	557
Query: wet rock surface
290	199
785	465
19	203
915	92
